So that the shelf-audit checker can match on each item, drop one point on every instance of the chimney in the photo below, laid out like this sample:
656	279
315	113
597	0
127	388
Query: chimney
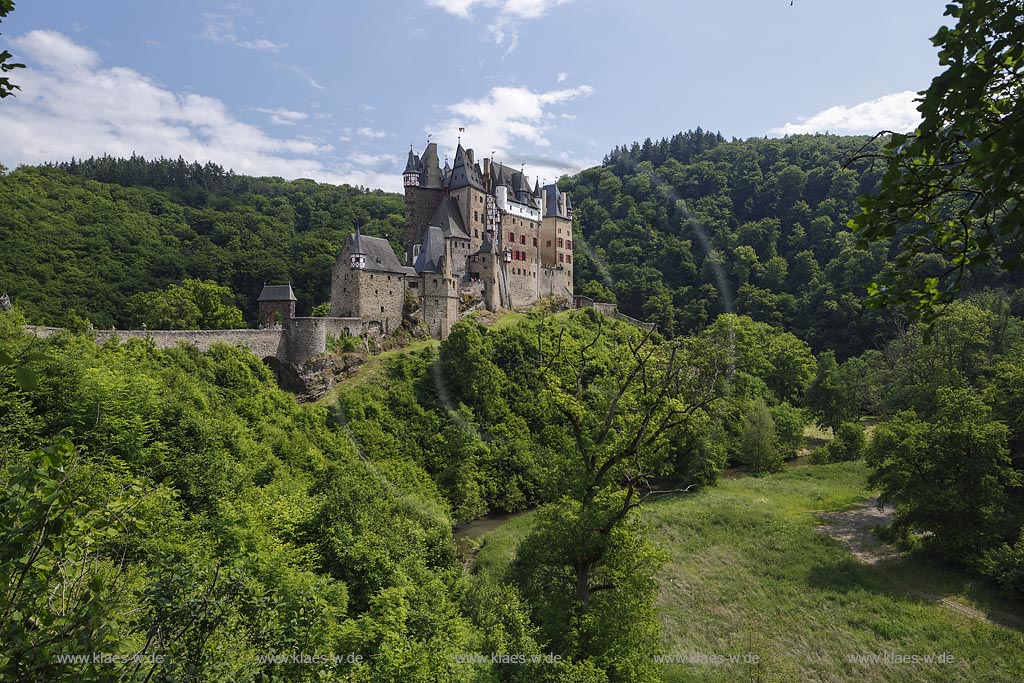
487	174
469	156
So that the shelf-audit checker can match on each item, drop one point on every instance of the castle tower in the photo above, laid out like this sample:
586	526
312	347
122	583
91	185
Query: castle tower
440	287
411	175
276	304
368	283
424	190
556	243
490	273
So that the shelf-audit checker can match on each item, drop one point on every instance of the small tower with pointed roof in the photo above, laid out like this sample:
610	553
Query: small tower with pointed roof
276	304
413	168
440	290
368	282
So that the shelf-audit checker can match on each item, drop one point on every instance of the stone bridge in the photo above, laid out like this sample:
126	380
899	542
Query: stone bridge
299	340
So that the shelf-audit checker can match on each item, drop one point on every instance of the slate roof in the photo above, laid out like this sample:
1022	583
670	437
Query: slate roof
488	244
277	293
430	175
413	165
380	256
463	172
448	218
500	175
432	252
551	200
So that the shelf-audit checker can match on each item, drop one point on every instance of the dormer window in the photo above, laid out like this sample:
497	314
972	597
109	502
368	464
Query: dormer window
357	261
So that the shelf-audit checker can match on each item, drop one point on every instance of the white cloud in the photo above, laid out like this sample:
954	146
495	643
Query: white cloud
222	29
562	76
72	105
522	9
56	51
304	74
507	119
897	112
377	162
284	117
371	133
507	16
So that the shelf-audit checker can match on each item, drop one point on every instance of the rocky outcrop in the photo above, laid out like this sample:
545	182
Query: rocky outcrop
314	379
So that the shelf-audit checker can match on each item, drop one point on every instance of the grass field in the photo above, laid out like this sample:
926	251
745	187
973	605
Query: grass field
750	577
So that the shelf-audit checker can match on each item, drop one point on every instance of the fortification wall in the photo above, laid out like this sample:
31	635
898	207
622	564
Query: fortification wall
522	282
263	343
553	283
343	327
304	338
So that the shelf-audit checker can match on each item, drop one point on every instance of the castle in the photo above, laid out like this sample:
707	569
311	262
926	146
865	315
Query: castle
474	234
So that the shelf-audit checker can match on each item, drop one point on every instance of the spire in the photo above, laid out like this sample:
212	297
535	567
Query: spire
356	256
412	165
356	246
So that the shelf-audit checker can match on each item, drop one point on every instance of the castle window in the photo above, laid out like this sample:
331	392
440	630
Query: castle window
549	243
568	258
560	242
381	309
435	281
568	243
476	233
561	258
476	216
534	241
522	239
511	237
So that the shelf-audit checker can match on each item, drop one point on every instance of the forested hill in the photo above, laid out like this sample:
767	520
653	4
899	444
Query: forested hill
689	227
78	240
677	231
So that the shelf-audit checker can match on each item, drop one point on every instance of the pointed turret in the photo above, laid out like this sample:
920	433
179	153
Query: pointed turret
411	175
463	171
356	255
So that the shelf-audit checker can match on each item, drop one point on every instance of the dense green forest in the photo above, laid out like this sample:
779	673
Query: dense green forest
79	240
688	227
212	520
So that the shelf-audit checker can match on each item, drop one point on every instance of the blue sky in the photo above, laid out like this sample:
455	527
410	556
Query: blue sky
337	91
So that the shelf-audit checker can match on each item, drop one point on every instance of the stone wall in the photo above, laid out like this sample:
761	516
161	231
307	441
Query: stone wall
555	282
381	299
522	283
420	205
284	309
263	343
440	303
375	297
304	338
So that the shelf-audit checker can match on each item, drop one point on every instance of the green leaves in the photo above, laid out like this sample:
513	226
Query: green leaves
6	87
954	187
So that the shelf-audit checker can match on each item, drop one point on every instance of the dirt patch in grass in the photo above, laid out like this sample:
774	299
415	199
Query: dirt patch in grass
855	531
